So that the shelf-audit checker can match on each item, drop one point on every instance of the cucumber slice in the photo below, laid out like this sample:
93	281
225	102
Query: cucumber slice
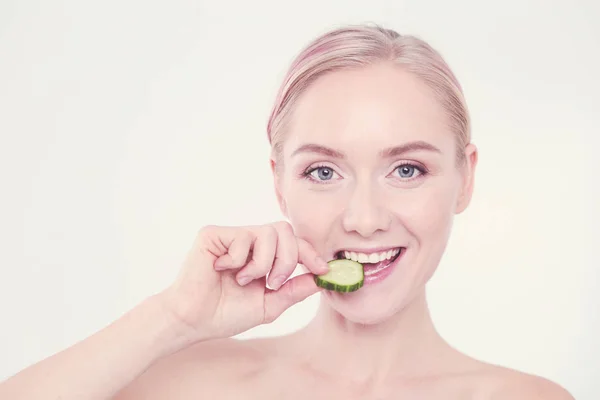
344	276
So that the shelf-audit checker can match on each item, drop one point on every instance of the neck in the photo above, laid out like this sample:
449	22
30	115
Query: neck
406	344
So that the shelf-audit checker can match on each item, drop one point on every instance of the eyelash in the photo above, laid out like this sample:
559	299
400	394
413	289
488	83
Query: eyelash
422	170
306	174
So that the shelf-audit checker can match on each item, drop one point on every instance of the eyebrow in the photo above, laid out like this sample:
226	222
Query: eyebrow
408	147
386	153
317	148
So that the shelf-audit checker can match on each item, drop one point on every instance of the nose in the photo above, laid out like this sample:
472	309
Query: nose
365	213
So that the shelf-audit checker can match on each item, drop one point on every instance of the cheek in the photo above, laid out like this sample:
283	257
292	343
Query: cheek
312	214
427	212
426	215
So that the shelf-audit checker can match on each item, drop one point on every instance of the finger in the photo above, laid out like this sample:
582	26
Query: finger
292	292
286	256
263	254
238	250
308	257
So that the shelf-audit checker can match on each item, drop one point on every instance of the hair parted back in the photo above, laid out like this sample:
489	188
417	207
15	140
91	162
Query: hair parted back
354	46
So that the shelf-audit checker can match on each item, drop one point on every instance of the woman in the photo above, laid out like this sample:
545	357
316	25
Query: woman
372	158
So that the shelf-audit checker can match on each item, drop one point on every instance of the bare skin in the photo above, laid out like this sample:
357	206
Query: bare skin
369	166
305	365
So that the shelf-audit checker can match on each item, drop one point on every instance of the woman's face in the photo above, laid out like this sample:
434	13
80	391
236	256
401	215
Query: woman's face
369	167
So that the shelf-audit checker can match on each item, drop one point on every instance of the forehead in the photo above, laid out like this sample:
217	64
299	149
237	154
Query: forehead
381	104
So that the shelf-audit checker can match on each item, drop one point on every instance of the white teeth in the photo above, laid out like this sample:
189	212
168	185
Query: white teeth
371	258
363	258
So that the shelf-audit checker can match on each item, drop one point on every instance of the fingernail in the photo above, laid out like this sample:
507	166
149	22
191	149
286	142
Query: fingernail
244	280
278	281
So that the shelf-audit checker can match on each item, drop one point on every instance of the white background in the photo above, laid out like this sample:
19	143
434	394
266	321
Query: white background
127	125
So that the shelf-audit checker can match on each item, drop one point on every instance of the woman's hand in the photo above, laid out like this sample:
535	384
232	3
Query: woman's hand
221	290
207	301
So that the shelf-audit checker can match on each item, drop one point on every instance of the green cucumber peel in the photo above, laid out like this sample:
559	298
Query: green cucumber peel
344	276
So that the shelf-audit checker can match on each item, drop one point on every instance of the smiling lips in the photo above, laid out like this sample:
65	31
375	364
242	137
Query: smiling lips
374	262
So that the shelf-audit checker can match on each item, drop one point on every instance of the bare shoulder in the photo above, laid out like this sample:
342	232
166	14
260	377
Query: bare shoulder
509	384
203	368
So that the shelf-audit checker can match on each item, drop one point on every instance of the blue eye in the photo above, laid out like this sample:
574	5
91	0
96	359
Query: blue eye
322	173
408	171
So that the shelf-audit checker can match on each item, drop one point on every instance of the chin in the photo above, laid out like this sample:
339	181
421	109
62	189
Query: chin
367	306
382	299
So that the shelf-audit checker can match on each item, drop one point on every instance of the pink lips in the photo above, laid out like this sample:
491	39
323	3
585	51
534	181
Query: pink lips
382	273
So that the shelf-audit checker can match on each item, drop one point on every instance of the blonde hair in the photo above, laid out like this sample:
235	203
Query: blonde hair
359	46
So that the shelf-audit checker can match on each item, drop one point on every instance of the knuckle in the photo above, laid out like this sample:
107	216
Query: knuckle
285	227
206	236
269	233
288	262
206	231
244	234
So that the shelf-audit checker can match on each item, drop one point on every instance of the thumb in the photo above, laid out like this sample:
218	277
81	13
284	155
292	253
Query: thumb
292	292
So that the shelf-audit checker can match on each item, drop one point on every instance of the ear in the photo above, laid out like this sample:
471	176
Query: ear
468	178
277	184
